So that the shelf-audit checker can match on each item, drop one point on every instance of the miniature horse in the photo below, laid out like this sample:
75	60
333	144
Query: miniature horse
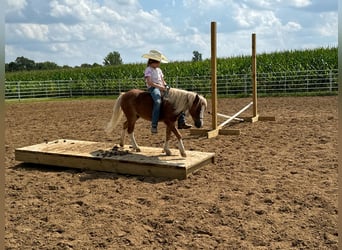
138	103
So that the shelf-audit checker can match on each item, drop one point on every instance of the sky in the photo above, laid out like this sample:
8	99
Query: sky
74	32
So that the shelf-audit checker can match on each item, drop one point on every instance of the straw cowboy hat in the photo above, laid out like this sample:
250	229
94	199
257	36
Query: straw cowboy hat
156	55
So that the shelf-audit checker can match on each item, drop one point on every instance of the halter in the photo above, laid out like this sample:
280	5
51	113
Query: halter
166	92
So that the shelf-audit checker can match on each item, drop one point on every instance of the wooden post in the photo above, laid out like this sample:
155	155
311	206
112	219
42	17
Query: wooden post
213	76
218	129
254	77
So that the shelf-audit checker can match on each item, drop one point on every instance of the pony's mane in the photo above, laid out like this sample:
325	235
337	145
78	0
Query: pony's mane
181	99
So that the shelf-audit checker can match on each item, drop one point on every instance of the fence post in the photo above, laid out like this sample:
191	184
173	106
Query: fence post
330	80
59	91
18	86
245	81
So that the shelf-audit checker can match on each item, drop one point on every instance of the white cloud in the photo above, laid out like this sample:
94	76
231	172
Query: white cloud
59	10
328	25
15	5
247	17
292	26
85	31
269	4
107	14
79	10
33	32
299	3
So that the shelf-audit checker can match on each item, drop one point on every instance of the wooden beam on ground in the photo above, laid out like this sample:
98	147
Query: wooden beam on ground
210	133
267	118
101	156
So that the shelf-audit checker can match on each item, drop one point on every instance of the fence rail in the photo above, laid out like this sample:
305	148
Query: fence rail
275	83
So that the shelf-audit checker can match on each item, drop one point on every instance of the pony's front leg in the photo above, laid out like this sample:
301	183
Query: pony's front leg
166	149
181	147
134	142
180	141
179	138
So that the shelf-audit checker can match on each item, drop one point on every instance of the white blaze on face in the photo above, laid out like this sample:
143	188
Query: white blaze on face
202	112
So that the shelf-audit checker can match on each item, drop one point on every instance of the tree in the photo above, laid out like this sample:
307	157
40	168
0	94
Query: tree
96	65
21	63
46	65
113	58
197	56
85	65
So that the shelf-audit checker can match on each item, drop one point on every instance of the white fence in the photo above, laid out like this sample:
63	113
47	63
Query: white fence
279	83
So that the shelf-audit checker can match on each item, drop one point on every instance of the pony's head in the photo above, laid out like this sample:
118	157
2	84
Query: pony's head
183	100
197	110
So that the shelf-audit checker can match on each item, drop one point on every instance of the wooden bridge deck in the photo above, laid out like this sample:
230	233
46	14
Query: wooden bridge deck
102	156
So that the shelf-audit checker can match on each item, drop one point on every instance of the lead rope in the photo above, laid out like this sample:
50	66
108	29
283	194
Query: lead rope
166	92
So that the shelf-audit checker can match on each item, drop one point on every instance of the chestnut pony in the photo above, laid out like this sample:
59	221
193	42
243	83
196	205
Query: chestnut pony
138	103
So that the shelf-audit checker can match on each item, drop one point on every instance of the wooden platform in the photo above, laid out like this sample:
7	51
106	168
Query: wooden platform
102	156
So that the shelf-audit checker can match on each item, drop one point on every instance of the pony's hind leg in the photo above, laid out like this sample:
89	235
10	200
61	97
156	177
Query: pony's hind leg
123	133
131	136
130	131
166	149
134	142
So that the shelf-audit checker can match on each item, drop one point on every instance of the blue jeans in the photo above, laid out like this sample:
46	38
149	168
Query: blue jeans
181	119
156	96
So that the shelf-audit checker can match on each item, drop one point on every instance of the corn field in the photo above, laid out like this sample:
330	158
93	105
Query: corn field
278	83
280	73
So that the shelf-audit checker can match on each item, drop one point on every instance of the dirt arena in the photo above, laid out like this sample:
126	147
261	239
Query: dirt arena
274	186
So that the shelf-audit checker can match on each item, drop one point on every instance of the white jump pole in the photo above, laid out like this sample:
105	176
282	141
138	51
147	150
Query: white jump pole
234	116
228	116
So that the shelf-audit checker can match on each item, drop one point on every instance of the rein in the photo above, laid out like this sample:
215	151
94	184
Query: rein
166	92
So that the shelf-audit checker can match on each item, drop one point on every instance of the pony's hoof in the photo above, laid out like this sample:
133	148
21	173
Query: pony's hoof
167	152
137	150
183	155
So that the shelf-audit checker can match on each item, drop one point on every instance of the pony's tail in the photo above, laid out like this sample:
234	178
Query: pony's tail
116	117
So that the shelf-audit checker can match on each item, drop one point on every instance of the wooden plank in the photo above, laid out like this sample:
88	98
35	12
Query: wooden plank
267	118
210	133
199	131
255	118
213	133
103	157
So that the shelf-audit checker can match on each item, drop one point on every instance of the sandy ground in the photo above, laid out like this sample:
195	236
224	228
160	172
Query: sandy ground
272	187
